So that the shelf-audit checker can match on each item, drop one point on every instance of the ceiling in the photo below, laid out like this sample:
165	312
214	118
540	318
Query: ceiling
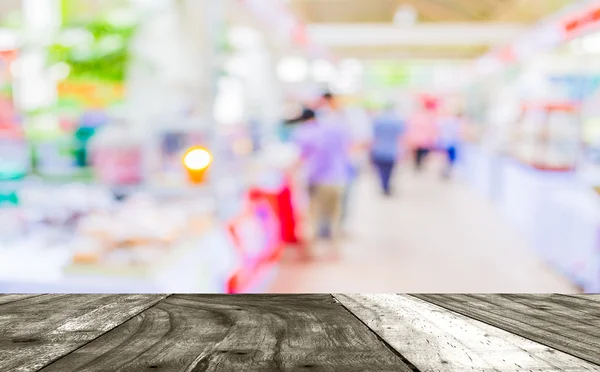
410	52
331	15
7	6
382	11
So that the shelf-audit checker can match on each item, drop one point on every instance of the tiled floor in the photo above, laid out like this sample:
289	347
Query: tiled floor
433	236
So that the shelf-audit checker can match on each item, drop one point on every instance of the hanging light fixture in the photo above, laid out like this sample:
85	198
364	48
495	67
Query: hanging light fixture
293	70
406	15
323	71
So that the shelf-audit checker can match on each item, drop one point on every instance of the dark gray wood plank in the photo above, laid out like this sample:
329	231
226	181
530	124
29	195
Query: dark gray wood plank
578	322
38	330
8	298
588	296
541	311
237	333
540	319
435	339
583	315
585	303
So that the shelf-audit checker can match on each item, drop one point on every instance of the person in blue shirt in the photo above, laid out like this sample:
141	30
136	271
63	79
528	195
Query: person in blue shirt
388	129
449	139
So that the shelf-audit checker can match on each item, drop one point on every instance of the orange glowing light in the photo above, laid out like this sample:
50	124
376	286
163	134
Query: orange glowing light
197	159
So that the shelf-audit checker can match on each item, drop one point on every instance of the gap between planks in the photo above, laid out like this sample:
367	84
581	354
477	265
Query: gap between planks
381	339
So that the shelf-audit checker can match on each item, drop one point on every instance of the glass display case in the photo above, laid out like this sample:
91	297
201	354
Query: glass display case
548	136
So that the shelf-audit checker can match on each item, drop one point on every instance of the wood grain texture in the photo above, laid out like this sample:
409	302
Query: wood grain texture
434	339
37	330
194	333
8	298
566	323
591	297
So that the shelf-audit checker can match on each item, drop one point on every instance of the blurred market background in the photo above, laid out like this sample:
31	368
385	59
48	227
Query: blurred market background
100	100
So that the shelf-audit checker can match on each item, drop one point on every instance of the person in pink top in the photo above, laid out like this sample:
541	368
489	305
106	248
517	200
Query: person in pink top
423	132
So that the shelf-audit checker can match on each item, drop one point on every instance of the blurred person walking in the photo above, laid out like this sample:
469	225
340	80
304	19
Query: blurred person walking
324	146
331	110
422	132
361	133
388	129
449	129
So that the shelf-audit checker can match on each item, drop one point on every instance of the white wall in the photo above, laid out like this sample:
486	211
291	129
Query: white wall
33	85
164	69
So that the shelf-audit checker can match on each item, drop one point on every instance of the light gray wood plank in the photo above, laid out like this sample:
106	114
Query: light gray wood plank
237	333
8	298
435	339
559	332
38	330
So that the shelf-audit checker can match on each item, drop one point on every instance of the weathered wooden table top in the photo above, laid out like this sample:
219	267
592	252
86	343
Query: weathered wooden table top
320	332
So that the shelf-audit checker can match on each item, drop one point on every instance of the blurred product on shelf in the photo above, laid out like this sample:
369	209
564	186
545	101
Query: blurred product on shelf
547	137
139	225
117	156
14	153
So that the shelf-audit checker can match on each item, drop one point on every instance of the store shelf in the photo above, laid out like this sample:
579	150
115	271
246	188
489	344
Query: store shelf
196	267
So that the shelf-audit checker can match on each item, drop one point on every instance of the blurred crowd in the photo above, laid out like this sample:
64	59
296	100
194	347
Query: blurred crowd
335	140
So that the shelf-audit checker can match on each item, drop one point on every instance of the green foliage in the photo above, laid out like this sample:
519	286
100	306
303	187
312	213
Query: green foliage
6	90
104	57
388	74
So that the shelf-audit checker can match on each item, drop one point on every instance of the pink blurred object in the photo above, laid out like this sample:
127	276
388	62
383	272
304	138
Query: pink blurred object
422	131
118	166
7	117
430	103
257	237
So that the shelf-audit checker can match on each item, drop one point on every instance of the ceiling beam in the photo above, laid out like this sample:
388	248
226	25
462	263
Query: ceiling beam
457	7
439	34
368	54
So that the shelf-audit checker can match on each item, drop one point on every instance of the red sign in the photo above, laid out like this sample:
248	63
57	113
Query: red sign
582	23
542	38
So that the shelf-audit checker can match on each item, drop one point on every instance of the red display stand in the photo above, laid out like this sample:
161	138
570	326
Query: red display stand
261	233
282	203
256	234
